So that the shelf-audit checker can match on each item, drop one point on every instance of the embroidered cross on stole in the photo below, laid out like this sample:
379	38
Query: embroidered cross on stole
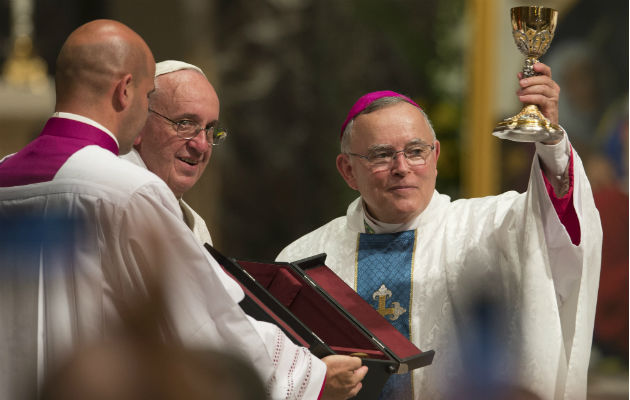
383	279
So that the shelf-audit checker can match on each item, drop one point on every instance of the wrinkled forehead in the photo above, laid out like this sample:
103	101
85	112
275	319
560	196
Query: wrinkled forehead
187	89
396	125
186	80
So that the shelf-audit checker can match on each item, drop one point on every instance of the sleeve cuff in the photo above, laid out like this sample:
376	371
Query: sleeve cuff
554	157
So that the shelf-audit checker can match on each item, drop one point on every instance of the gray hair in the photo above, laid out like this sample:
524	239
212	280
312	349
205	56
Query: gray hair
377	104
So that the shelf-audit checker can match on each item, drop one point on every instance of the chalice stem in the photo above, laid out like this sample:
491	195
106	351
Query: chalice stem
528	68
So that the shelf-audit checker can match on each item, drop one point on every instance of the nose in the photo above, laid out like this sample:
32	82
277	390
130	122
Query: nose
399	162
200	142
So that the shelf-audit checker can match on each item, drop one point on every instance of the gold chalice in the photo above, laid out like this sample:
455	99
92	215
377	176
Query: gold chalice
532	29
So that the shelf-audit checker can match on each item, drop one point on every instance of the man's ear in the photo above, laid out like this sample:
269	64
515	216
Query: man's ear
122	93
437	155
437	150
136	143
345	169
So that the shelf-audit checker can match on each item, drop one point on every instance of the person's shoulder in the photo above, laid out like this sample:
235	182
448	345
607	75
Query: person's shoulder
95	166
315	240
332	226
480	201
484	207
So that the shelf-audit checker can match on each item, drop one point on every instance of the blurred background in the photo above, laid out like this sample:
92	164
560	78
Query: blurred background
287	72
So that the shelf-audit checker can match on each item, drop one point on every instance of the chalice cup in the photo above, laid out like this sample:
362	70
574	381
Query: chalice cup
532	28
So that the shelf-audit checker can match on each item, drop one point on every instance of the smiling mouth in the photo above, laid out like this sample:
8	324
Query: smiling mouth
188	161
402	187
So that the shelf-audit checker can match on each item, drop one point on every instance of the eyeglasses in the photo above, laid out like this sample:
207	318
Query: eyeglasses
381	157
188	129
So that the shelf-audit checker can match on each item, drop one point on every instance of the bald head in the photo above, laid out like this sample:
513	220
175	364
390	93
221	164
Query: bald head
105	72
95	54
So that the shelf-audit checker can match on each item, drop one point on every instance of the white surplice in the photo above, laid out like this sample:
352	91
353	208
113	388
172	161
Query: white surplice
511	248
57	296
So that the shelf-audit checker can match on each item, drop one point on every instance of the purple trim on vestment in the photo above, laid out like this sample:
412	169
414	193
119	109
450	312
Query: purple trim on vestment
565	208
40	160
367	99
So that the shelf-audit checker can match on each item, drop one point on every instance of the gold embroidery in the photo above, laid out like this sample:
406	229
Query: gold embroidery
413	264
383	294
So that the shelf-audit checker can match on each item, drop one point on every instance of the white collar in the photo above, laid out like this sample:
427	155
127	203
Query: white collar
358	217
383	227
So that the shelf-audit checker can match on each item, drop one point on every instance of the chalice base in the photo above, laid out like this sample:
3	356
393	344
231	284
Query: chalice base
528	126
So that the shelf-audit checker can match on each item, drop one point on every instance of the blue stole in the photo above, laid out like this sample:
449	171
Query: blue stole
383	278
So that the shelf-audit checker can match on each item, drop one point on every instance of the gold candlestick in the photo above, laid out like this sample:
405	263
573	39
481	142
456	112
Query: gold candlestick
23	67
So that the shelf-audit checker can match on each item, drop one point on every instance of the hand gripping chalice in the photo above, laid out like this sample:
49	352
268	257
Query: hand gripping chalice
532	28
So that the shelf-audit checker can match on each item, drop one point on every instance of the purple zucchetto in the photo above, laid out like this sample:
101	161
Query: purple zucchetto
367	99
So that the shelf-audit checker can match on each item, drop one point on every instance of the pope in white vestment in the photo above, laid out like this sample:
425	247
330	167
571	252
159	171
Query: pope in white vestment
176	144
518	270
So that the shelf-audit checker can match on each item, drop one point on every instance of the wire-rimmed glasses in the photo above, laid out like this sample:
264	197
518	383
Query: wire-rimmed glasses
381	157
188	129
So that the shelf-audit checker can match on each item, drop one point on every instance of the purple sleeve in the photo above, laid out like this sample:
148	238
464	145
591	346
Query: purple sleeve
564	206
